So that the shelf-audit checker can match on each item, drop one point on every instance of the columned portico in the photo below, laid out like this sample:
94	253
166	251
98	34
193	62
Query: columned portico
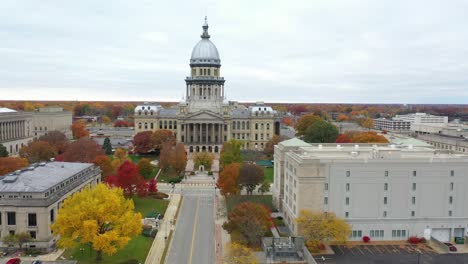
203	136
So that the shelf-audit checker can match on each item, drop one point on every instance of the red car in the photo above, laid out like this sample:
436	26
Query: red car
14	261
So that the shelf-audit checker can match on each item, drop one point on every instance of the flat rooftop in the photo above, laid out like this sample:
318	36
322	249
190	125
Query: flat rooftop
41	178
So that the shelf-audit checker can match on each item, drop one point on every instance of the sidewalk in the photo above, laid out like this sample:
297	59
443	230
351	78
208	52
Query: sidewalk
222	237
157	249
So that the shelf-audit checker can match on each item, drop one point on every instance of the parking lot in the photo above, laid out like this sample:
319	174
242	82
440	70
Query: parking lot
389	254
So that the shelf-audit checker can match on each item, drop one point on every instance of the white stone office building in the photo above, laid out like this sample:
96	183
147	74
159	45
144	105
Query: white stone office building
205	120
15	129
30	199
51	118
394	125
385	192
423	118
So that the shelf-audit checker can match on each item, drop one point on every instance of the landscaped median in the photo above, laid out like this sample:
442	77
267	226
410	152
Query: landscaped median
162	239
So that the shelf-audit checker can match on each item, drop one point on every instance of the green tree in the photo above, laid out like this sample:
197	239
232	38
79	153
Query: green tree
321	132
230	153
317	228
145	168
264	188
3	151
19	239
106	146
306	121
203	158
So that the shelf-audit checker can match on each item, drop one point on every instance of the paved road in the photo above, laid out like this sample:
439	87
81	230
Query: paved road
193	240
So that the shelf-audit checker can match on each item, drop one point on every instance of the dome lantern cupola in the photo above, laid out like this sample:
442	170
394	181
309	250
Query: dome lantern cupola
205	52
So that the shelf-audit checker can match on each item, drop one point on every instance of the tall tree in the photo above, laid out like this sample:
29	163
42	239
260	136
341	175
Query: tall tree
317	228
82	150
107	146
264	187
19	239
270	145
306	121
57	139
145	168
37	151
239	254
78	129
104	163
3	151
179	160
10	164
342	138
143	142
129	180
230	153
250	176
106	120
367	123
99	216
321	132
161	136
166	155
204	159
251	220
368	137
228	180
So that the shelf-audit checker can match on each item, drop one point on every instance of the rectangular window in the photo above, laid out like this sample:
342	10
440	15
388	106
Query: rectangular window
325	200
386	173
326	186
385	214
450	213
414	173
412	213
11	218
385	200
451	186
32	234
414	186
450	199
372	233
347	200
452	173
346	214
347	187
403	233
381	233
348	173
52	216
413	200
32	220
385	187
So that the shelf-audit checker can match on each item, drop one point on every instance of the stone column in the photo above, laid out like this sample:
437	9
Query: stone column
200	133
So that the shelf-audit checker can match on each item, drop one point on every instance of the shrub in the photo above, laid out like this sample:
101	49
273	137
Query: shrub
210	173
33	251
192	173
279	217
422	240
414	240
366	239
159	195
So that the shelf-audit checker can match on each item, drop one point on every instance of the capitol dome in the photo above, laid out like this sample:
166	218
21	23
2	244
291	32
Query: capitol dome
205	52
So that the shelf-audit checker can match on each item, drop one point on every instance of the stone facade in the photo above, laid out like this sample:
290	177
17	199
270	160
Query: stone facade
386	192
15	129
51	118
205	120
30	199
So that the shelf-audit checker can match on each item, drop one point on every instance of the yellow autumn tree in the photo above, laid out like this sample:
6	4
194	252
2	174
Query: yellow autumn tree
239	254
317	228
99	216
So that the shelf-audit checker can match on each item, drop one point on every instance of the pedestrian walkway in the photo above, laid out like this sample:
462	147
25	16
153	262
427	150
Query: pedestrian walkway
159	244
222	237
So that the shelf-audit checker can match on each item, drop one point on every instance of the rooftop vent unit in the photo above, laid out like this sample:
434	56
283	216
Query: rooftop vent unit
320	146
10	178
354	154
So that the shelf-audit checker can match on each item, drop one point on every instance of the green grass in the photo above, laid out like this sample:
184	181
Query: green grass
269	175
166	175
137	248
233	200
278	222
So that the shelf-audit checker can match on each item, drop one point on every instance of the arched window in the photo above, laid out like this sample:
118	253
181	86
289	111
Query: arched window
151	112
243	124
139	113
256	125
170	124
268	126
165	124
160	124
175	124
139	125
146	125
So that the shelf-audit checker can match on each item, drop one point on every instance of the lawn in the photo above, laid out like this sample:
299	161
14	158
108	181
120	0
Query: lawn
136	249
269	174
167	175
233	200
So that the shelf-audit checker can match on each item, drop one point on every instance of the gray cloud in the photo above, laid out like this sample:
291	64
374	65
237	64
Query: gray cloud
277	51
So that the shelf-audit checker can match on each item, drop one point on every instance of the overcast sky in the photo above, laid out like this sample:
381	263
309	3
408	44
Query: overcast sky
374	51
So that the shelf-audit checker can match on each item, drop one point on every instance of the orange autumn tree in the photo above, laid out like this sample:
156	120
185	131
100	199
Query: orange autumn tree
78	129
37	151
10	164
228	180
104	162
305	122
368	137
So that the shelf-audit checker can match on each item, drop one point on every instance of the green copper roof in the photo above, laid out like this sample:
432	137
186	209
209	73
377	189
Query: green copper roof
294	142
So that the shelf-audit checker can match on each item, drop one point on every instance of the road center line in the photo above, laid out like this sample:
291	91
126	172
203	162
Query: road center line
194	230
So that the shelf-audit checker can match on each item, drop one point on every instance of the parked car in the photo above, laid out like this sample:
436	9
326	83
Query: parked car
36	262
453	248
14	261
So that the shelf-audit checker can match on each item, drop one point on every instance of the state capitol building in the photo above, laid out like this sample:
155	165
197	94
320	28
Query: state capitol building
205	119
